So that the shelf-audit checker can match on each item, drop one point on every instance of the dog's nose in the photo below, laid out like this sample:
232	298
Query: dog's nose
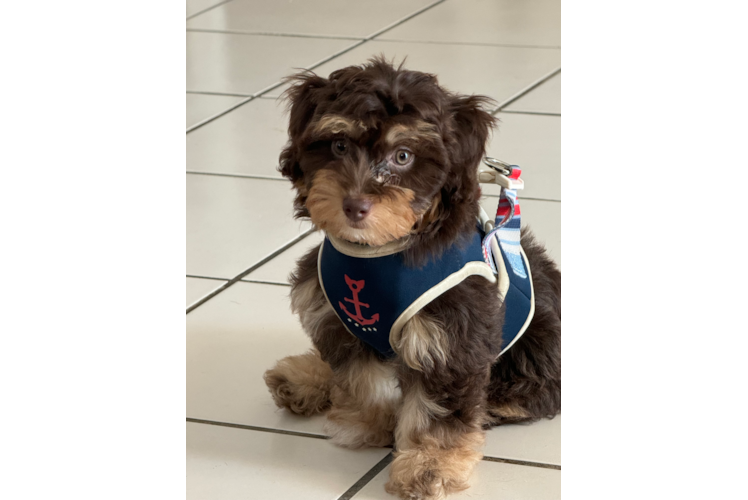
356	209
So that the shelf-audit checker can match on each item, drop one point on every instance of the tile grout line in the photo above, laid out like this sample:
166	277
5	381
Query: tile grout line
209	119
206	277
522	462
251	268
241	176
274	86
206	10
527	89
277	33
256	428
366	478
267	89
315	65
224	94
473	44
258	282
540	113
404	19
206	295
264	282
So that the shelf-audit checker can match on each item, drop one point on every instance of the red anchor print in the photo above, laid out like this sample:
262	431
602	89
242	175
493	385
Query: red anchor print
355	287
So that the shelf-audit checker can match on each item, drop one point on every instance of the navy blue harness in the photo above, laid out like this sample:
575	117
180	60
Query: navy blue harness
374	296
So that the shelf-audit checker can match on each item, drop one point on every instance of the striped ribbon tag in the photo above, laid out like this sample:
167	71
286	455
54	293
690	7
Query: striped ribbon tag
507	225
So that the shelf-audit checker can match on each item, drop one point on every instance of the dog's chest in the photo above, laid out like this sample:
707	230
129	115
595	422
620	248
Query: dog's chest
375	296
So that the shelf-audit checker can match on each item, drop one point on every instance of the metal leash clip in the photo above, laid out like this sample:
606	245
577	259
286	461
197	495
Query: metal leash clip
500	174
498	165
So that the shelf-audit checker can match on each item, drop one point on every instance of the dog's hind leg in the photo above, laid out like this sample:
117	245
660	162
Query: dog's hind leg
301	383
526	380
507	413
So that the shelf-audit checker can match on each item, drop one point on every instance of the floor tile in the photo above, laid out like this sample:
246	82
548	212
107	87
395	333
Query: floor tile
543	217
195	6
546	98
201	106
233	223
197	288
316	17
537	442
528	22
490	480
232	339
534	143
227	463
248	140
498	72
281	267
246	64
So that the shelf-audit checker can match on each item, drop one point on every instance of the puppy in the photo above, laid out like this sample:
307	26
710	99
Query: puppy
385	162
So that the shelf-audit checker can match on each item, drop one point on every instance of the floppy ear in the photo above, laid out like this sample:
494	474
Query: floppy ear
470	127
455	208
472	124
302	101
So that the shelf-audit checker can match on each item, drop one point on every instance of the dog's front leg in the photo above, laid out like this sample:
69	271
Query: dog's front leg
302	383
439	434
436	449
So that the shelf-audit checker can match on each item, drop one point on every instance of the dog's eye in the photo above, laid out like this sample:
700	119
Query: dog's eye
339	147
403	157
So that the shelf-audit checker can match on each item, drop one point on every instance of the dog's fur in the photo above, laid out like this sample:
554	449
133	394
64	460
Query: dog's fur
434	400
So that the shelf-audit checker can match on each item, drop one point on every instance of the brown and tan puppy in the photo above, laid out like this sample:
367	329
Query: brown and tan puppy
435	398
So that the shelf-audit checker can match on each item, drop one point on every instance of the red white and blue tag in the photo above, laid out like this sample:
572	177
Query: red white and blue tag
507	229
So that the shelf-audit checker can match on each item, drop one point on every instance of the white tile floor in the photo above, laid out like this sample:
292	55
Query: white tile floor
239	219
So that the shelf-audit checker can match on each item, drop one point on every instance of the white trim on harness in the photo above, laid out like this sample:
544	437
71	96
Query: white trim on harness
454	279
487	224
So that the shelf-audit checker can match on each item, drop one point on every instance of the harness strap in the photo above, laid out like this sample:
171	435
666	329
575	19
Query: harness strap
503	252
508	219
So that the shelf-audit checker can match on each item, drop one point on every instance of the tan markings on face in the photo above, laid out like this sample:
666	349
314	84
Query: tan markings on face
431	213
391	216
336	124
416	132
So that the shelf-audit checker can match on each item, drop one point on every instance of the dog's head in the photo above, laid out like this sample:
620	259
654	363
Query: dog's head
378	153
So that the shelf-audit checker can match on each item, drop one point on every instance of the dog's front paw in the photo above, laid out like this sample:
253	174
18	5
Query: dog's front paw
430	473
301	384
